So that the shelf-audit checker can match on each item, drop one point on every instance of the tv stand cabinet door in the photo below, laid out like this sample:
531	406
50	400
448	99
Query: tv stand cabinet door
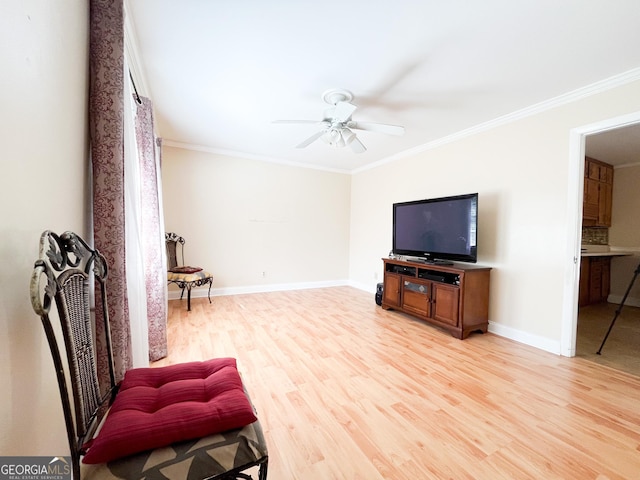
416	298
446	301
391	290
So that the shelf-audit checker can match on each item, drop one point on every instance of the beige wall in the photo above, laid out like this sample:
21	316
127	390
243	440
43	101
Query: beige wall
625	231
625	220
43	123
521	171
243	217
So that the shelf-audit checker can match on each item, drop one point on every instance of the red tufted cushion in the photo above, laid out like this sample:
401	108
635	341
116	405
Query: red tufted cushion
185	269
159	406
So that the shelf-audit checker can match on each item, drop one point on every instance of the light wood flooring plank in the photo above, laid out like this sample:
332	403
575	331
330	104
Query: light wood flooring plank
346	390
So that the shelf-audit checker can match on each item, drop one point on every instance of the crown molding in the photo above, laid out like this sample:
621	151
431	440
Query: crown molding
575	95
248	156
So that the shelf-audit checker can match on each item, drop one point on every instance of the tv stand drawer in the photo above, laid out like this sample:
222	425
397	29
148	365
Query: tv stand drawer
416	298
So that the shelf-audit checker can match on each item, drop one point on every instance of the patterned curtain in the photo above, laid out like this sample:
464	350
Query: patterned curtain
106	118
152	231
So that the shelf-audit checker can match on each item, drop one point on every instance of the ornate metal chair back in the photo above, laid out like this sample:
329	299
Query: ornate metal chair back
62	274
175	249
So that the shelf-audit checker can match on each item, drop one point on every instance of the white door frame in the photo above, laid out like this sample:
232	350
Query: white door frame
575	192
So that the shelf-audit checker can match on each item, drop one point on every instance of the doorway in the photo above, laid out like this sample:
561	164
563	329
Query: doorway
621	348
590	140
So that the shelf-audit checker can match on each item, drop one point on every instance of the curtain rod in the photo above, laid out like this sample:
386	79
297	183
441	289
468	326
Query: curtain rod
135	90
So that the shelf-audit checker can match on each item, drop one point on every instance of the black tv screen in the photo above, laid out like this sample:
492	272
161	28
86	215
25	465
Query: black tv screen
437	229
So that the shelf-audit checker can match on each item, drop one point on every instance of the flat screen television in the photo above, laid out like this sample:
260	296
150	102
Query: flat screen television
438	230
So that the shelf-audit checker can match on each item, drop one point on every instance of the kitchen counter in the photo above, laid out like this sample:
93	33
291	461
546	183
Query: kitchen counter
607	251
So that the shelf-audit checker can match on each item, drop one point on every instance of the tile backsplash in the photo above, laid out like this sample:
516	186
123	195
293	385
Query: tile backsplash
595	236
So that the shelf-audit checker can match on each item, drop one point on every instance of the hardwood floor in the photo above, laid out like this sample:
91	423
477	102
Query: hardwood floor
346	390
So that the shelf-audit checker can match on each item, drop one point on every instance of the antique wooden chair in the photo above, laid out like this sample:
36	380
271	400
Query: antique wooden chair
181	422
184	276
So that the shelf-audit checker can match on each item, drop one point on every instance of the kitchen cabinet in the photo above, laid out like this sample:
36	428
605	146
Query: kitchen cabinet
583	289
598	193
595	280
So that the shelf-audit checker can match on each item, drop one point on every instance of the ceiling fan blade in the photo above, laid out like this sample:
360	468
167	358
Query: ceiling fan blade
311	139
377	127
343	111
357	146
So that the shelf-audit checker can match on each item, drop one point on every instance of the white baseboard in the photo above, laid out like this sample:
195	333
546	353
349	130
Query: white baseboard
536	341
543	343
363	286
217	292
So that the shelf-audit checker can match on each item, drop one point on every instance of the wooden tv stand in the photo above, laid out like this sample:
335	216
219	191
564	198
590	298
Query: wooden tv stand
453	297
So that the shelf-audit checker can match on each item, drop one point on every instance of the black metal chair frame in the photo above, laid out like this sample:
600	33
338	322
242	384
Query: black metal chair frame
172	241
62	274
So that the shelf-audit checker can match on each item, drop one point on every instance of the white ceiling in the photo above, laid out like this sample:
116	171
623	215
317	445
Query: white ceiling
617	147
220	72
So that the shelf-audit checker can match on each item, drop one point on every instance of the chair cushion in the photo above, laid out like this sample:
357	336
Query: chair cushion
196	459
185	269
159	406
188	277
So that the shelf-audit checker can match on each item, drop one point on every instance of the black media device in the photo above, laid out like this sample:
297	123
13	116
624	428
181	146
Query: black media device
379	290
404	270
437	230
435	277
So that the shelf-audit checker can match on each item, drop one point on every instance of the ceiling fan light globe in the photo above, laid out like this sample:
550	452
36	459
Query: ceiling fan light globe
329	140
348	136
334	134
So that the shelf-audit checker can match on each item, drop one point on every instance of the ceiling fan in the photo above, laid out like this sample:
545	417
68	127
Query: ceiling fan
337	125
